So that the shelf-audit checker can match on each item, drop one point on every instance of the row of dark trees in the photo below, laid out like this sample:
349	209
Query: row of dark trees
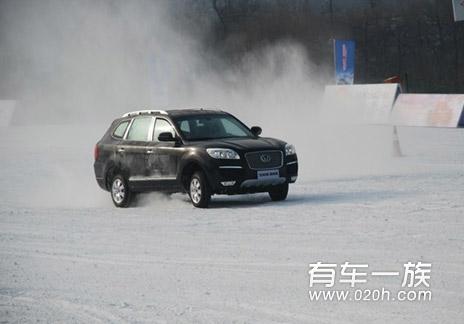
417	40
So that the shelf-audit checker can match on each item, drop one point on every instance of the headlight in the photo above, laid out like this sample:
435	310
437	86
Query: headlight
223	154
289	149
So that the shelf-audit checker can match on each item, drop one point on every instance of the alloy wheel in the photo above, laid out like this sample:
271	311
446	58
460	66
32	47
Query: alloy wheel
195	190
118	190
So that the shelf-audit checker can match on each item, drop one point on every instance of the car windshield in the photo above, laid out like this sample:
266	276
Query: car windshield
214	126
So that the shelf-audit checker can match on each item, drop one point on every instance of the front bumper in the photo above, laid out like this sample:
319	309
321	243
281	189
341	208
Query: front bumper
235	177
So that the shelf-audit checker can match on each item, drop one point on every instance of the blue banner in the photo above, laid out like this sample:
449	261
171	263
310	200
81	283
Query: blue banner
344	52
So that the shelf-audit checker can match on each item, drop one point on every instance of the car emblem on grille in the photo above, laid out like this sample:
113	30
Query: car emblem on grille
265	158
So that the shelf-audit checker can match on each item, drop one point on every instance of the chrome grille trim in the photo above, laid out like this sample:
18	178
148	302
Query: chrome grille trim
230	167
266	168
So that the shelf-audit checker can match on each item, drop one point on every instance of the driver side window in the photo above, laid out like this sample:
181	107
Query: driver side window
162	126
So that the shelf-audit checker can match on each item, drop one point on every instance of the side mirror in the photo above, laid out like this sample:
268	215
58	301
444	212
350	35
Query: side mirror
256	130
166	137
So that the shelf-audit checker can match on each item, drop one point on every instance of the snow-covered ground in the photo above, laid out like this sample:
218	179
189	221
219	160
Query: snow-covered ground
67	255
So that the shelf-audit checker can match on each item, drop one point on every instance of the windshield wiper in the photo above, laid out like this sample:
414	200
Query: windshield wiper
216	138
201	138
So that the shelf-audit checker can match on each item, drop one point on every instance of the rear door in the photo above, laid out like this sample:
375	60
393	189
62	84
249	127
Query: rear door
133	150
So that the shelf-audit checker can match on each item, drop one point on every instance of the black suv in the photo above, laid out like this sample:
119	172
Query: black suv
202	152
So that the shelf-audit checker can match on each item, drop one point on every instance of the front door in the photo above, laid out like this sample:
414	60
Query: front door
163	157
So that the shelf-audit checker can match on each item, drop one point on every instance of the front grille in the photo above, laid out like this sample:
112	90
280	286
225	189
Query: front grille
264	160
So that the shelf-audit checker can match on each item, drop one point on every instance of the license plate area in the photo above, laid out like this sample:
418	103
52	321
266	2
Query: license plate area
268	174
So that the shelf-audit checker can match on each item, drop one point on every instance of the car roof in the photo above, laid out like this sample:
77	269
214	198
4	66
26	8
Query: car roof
171	113
187	112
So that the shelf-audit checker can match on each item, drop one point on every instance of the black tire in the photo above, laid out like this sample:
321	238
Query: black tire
120	192
279	193
199	190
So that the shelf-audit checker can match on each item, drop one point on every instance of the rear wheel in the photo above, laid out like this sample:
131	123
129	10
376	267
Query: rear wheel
279	193
120	192
199	191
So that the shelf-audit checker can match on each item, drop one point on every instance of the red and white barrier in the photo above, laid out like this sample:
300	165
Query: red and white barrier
428	110
384	104
362	103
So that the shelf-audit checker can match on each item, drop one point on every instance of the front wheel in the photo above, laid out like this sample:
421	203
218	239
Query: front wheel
120	192
199	190
279	193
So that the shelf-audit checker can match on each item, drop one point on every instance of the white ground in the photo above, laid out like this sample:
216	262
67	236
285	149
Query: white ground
67	255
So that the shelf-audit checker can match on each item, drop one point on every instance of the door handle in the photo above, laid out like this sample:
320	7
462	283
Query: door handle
120	150
150	151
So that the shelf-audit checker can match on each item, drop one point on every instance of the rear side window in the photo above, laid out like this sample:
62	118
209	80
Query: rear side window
120	130
139	129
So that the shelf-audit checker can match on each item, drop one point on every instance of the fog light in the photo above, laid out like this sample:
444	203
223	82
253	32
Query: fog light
228	183
294	178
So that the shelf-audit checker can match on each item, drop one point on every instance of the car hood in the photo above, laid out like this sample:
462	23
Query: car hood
243	144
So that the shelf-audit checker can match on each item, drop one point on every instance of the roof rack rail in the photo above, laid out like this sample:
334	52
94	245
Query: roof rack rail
144	112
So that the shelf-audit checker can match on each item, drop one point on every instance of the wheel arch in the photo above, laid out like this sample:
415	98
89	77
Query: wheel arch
111	170
188	169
